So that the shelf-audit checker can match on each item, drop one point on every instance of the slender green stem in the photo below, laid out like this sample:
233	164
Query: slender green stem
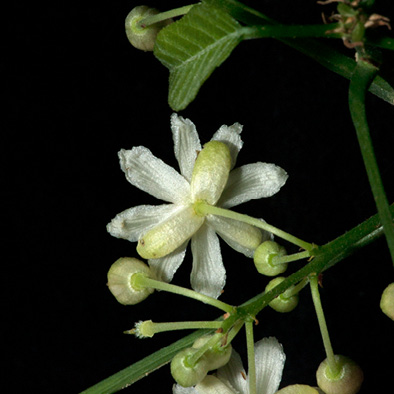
290	257
293	290
234	330
359	84
291	31
251	357
150	20
149	328
143	281
205	209
193	359
332	364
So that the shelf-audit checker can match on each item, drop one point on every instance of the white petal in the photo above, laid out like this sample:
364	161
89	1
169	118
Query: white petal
152	175
178	389
208	274
233	373
212	385
252	181
186	144
270	360
165	267
240	236
230	135
133	222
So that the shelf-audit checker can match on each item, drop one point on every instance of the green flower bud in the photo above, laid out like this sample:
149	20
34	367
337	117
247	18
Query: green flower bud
298	389
263	258
120	280
387	301
282	303
210	172
143	37
184	373
217	356
347	381
346	10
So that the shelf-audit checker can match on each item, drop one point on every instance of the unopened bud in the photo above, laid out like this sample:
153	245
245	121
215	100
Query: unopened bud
263	258
217	356
387	301
120	277
281	303
347	381
298	389
143	37
186	374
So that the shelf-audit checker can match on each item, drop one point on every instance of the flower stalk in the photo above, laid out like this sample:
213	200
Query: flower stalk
142	281
334	368
251	357
151	20
203	208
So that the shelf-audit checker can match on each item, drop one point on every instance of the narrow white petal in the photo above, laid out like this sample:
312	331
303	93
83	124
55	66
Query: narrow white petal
252	181
212	385
270	360
178	389
242	237
186	144
165	267
208	274
153	176
133	222
230	135
233	373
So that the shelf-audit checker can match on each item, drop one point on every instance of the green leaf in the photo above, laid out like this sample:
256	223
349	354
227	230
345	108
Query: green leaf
193	47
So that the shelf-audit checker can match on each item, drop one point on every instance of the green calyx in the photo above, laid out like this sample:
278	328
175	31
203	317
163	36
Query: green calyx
264	258
284	302
143	37
347	381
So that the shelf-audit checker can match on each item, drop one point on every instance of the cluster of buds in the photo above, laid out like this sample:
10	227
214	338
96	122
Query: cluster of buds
354	19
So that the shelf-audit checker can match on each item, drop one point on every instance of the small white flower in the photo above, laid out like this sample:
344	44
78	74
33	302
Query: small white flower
163	231
232	378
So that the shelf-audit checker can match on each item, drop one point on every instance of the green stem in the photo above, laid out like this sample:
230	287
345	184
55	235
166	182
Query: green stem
251	357
293	290
148	328
359	84
291	31
205	209
332	364
290	257
151	20
143	281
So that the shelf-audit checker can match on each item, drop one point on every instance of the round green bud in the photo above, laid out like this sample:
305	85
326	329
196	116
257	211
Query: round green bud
143	37
387	301
184	373
217	356
298	389
263	258
120	280
347	381
282	303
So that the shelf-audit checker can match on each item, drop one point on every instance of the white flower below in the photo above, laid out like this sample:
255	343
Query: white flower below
232	378
163	231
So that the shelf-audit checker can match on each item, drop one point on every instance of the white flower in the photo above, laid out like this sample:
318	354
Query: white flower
232	378
163	231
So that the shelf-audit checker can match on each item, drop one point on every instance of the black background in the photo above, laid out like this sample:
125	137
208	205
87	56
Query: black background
75	93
